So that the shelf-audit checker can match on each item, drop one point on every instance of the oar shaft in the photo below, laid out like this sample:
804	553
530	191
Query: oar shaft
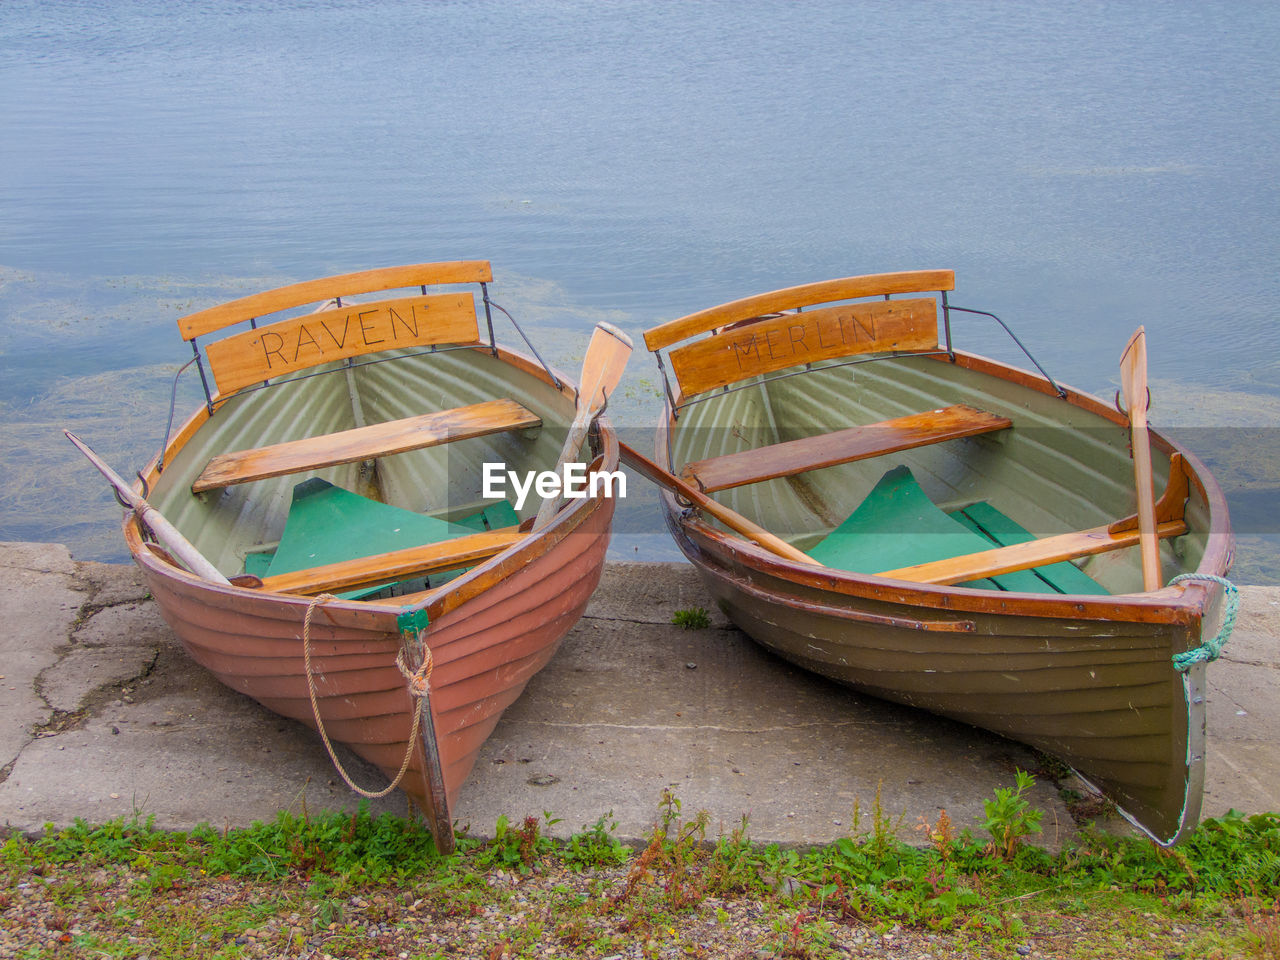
1133	382
1147	538
730	518
165	531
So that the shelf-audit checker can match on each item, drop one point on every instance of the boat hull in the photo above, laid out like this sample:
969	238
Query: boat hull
1087	679
484	651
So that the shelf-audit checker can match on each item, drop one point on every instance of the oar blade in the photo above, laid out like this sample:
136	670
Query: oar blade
602	367
1133	374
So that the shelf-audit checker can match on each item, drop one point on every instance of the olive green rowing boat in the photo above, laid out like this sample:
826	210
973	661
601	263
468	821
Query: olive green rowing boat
958	534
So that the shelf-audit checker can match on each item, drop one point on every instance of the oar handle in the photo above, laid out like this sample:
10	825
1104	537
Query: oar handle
730	518
165	532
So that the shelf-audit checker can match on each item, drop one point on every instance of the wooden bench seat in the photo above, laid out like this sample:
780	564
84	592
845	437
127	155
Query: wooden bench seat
395	565
841	446
1170	522
1024	556
365	443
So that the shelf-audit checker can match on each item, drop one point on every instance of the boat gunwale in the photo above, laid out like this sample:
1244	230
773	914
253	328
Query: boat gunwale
1184	604
458	591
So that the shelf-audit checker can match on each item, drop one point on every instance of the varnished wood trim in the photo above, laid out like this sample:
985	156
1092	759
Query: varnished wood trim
395	565
730	518
365	443
381	615
299	343
853	615
775	343
1171	605
569	521
791	457
1173	502
341	285
790	298
1024	556
519	361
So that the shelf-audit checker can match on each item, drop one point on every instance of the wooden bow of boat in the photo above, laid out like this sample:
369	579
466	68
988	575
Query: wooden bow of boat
1041	628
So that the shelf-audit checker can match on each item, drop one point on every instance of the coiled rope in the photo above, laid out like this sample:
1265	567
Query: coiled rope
1210	650
419	682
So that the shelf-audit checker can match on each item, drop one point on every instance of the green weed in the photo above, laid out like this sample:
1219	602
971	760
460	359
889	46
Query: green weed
516	848
694	618
596	846
1011	818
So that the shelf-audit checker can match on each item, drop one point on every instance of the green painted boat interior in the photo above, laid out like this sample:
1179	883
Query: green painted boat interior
1059	468
327	524
1000	531
236	527
897	525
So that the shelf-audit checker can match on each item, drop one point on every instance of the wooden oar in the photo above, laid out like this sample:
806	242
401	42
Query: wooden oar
1133	383
601	370
730	518
165	532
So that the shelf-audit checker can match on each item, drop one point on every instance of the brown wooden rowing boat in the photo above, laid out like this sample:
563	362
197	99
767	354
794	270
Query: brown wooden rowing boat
385	411
956	531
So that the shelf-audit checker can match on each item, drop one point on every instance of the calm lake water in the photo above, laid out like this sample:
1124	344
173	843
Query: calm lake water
1085	168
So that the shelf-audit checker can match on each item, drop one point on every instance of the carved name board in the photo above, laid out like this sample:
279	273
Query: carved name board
348	331
764	346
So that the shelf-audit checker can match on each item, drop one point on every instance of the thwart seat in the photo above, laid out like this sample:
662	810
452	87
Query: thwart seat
365	443
793	457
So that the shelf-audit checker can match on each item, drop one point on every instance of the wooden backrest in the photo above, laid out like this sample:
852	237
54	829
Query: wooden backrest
748	337
338	331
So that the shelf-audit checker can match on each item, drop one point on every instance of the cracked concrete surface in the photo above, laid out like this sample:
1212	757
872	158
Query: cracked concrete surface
38	610
102	715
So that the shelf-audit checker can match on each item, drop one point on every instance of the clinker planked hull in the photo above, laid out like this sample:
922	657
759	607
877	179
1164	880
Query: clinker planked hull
485	650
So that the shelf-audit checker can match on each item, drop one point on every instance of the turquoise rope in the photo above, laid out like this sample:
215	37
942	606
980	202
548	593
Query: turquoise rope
1209	651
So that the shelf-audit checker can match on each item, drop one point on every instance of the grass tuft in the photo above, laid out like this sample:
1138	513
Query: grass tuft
693	618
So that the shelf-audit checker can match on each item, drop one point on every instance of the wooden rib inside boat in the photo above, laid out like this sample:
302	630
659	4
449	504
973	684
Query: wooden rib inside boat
969	525
343	451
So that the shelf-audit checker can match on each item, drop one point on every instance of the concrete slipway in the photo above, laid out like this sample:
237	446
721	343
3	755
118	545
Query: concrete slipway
102	715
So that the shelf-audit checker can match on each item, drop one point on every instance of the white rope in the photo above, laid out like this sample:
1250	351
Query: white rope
419	686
